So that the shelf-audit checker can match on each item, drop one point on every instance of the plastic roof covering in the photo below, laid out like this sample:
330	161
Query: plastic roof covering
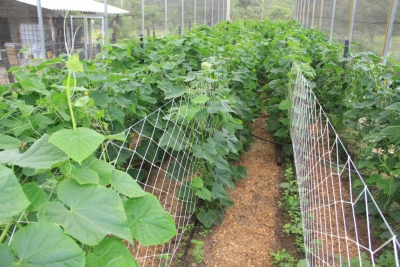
76	5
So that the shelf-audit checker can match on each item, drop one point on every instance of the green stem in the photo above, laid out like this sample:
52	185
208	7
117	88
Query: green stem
69	101
4	233
18	225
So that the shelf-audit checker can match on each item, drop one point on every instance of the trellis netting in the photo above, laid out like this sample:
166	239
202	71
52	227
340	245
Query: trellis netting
159	157
336	214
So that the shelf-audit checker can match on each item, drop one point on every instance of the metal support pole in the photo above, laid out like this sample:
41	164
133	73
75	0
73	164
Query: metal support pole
194	19
321	13
143	19
393	9
219	3
166	16
183	15
223	9
41	28
85	36
313	14
205	12
262	9
352	18
105	31
212	13
332	20
308	13
228	10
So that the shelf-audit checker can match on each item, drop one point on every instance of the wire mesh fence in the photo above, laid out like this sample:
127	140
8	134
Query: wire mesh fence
337	206
370	25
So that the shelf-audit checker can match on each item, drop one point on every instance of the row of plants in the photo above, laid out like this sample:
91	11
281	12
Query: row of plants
65	193
290	202
55	118
361	98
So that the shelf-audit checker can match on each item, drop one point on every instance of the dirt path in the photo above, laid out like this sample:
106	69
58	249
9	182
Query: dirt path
253	227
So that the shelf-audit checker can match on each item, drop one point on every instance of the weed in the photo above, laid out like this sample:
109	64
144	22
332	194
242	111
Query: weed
198	252
204	231
282	258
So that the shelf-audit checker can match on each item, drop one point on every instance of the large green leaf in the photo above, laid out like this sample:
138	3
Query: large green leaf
81	173
395	106
12	198
205	151
150	224
7	142
105	253
204	193
34	84
73	64
172	90
35	195
126	185
207	217
103	169
173	138
224	176
200	99
41	155
87	212
285	105
222	105
6	255
188	112
100	99
392	132
78	144
45	244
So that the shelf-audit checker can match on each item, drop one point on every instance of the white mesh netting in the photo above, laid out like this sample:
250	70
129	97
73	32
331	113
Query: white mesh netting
336	216
158	156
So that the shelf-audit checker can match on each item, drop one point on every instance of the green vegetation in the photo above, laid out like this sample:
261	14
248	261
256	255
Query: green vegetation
198	252
291	203
65	188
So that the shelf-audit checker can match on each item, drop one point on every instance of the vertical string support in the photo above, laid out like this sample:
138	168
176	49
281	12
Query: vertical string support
389	30
352	19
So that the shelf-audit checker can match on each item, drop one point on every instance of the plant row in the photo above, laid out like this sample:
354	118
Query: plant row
67	196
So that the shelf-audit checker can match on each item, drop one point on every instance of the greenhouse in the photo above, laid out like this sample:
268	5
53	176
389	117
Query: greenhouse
199	133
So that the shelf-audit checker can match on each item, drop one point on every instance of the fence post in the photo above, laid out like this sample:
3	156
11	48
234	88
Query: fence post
143	18
205	12
194	14
41	28
332	20
219	3
166	16
212	13
352	18
345	52
389	30
183	14
321	13
313	14
308	13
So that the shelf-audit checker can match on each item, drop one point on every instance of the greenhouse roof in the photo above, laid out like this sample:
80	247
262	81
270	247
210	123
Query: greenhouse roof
76	5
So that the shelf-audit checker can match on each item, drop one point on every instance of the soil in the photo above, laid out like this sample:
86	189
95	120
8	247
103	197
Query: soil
253	227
